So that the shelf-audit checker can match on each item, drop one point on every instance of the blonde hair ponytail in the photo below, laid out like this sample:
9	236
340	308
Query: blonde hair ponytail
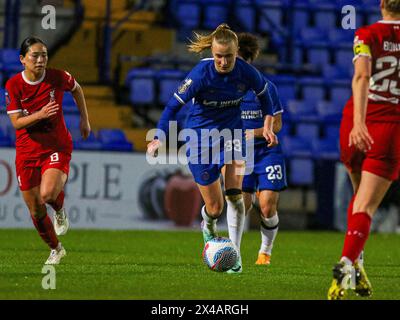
392	6
223	34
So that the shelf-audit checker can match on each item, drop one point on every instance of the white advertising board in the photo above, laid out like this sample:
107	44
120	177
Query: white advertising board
102	191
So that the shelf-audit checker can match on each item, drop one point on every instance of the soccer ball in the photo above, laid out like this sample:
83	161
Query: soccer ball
220	254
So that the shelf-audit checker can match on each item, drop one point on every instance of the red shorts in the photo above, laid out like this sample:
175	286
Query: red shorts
384	157
29	172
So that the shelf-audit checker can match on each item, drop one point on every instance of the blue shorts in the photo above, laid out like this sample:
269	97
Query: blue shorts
206	163
267	173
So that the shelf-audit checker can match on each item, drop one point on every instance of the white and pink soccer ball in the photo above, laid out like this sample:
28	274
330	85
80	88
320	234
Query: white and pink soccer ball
220	254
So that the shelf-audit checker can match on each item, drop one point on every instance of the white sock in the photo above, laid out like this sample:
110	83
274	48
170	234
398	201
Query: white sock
346	261
269	230
361	259
235	216
210	223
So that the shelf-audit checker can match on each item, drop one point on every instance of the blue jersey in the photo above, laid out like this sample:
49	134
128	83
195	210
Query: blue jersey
252	115
268	171
217	97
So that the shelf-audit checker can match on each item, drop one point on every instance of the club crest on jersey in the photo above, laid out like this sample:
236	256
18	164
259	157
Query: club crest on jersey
52	95
185	85
8	99
357	41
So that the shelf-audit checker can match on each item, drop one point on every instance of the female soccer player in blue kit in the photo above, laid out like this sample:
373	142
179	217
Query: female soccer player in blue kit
217	86
268	174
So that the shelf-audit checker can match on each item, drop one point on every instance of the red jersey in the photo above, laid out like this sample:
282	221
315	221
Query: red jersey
381	42
49	135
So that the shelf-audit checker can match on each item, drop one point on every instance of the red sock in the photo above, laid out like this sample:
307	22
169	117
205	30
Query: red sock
46	230
59	203
356	236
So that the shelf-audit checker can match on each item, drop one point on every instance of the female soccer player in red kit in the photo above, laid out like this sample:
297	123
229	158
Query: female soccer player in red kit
43	143
369	140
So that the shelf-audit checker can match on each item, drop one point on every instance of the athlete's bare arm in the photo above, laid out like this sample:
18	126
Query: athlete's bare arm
359	136
19	121
81	103
258	133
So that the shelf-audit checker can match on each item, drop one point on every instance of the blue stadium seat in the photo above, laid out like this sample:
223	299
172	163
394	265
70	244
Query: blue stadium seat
11	134
168	82
329	111
302	111
2	98
274	11
313	37
279	44
301	172
215	13
91	143
312	89
355	3
336	72
296	147
68	99
142	85
340	92
331	131
10	61
286	85
344	58
72	121
301	16
188	14
6	126
326	149
68	104
5	140
318	56
285	131
341	37
373	17
325	15
114	140
307	131
245	14
301	165
315	43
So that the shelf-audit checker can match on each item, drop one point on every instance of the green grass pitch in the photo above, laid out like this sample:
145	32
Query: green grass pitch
153	265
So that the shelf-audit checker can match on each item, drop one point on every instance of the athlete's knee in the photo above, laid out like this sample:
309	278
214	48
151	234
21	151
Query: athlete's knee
268	208
48	196
214	208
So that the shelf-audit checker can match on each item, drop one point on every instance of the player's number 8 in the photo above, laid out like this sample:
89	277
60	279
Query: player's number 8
54	157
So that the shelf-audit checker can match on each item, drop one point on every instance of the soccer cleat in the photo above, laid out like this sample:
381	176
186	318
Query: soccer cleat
263	259
61	223
343	279
207	234
363	286
56	255
237	268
